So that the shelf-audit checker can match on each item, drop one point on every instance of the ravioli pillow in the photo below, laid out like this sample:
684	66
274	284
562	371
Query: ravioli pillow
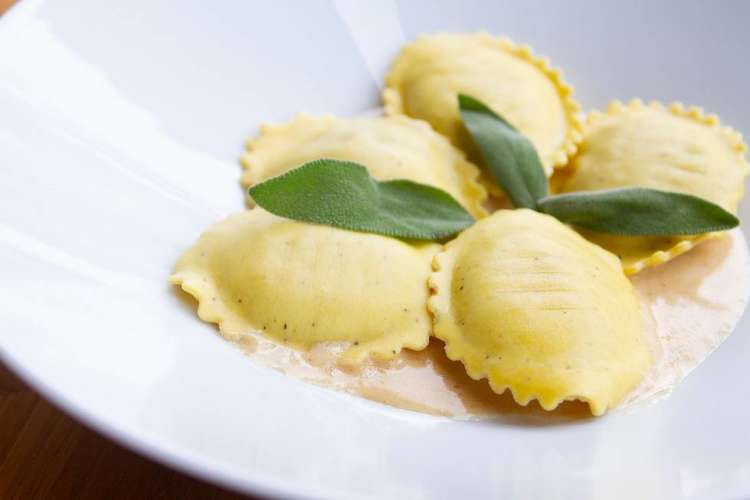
429	73
304	284
390	148
526	302
660	147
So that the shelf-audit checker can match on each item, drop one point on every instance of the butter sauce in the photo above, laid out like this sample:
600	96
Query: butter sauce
690	304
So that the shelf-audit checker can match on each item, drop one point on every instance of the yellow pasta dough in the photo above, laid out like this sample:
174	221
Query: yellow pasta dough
526	302
429	73
391	148
303	284
668	148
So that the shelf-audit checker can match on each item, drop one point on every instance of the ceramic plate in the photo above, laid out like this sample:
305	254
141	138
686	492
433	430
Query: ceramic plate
120	128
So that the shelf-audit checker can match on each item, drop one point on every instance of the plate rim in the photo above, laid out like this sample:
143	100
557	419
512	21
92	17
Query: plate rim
155	448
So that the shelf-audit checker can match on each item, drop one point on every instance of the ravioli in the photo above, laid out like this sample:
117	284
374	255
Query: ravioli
526	302
668	148
304	284
391	148
429	73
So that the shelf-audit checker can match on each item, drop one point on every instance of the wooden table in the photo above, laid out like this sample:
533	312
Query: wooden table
5	4
46	454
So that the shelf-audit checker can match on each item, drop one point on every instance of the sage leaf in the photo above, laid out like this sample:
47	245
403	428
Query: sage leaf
508	154
342	194
638	212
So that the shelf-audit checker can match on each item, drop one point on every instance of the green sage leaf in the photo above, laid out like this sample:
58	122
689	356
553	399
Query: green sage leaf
342	194
508	154
638	212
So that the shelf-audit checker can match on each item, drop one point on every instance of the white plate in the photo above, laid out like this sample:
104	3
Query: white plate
120	128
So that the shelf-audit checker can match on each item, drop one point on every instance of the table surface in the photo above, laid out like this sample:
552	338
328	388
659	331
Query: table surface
46	454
